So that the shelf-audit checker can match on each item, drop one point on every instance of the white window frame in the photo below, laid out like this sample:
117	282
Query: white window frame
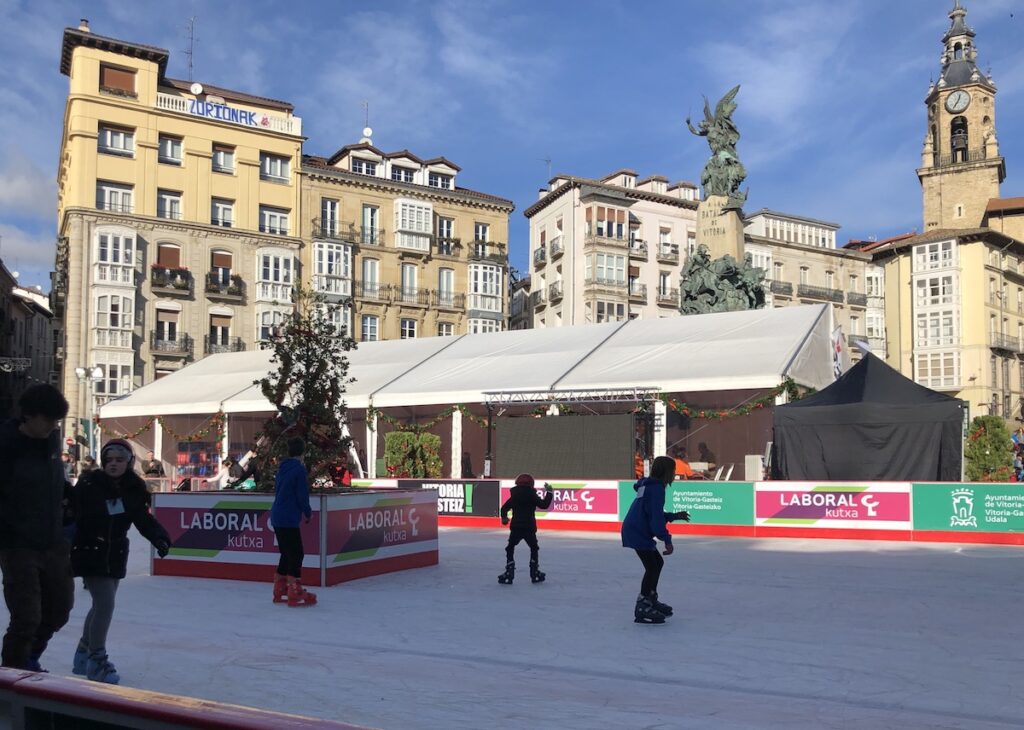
115	197
112	140
275	275
362	166
936	255
481	232
168	204
445	329
274	168
267	320
413	224
116	380
171	149
936	328
332	268
485	283
440	180
222	212
223	160
935	290
274	220
370	328
330	216
479	326
402	174
407	328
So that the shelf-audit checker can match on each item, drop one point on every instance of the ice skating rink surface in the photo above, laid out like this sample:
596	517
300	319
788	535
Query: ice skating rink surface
766	634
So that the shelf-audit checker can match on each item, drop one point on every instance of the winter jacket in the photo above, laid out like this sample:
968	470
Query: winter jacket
291	494
524	503
647	518
100	545
33	489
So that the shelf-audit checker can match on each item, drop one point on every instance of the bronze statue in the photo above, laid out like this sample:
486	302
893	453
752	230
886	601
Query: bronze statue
724	172
721	285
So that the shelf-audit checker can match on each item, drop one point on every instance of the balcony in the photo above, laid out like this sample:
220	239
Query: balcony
538	300
783	288
274	291
274	229
555	292
638	292
1000	341
332	230
173	280
600	239
668	253
181	105
556	247
113	207
488	252
181	346
232	290
373	291
540	258
413	241
449	301
638	250
332	286
668	297
856	299
447	247
960	158
222	344
819	292
413	297
114	274
603	284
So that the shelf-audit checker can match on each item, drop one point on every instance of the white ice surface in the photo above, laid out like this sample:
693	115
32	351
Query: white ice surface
767	634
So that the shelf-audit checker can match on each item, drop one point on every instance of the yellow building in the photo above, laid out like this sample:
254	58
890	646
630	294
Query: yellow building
177	218
403	248
955	294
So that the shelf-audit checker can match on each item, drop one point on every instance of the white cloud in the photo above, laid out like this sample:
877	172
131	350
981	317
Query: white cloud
30	253
25	190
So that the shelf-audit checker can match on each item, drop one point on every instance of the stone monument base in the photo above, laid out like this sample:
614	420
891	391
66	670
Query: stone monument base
719	229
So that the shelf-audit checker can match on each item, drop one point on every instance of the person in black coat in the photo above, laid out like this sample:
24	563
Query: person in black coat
107	503
524	503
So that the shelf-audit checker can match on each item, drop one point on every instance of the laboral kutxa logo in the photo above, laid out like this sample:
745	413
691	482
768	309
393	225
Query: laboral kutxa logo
963	508
831	503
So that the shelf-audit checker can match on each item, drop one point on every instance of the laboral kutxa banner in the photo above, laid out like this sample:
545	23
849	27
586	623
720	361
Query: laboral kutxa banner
969	507
709	503
845	505
380	525
460	497
584	501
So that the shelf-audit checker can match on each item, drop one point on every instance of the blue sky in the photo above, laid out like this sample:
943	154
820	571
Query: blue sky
831	106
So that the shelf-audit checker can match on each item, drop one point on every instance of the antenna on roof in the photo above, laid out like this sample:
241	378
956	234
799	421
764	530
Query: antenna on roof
548	161
192	40
367	132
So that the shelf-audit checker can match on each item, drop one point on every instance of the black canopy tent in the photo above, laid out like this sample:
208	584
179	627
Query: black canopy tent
871	424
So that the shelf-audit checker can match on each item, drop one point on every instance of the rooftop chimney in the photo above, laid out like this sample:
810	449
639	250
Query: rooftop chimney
83	25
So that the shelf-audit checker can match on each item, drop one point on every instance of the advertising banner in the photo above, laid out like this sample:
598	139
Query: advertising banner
709	503
867	505
460	497
969	507
582	501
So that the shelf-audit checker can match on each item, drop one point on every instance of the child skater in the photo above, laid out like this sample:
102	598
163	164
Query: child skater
646	520
524	503
291	503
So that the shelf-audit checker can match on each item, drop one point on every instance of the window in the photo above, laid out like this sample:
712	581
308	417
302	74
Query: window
276	269
938	369
481	232
113	197
934	290
371	225
610	312
168	204
446	228
223	158
445	329
270	322
117	379
438	180
485	287
409	290
273	220
607	269
113	321
804	275
220	332
329	209
117	80
222	212
408	329
854	282
168	255
995	372
934	255
166	326
854	325
778	271
935	329
446	287
875	326
332	259
874	285
481	326
413	224
170	150
401	174
830	280
364	167
664	283
220	267
114	249
116	141
273	167
369	328
371	278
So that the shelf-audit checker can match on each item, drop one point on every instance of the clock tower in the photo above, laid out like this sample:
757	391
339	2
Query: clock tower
960	164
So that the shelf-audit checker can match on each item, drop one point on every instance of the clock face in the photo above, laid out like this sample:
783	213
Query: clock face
957	101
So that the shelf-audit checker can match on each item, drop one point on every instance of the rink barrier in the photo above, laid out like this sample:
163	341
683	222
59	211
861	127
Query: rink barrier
34	701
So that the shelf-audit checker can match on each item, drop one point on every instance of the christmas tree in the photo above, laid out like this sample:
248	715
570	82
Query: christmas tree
989	451
308	378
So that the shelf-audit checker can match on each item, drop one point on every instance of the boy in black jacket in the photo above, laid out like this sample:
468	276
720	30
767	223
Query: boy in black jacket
524	503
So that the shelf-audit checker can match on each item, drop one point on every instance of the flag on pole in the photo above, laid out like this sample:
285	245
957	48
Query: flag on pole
840	356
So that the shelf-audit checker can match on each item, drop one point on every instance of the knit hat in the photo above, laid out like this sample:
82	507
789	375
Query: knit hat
524	480
120	447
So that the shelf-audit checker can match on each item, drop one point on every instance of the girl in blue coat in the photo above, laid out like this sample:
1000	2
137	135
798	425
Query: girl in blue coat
645	521
291	504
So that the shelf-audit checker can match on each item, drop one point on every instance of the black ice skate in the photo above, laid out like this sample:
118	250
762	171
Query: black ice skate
646	613
659	606
535	573
510	573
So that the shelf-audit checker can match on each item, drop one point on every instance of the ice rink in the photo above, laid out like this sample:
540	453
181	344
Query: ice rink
767	634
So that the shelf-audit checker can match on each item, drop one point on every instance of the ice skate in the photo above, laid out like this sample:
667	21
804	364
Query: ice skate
81	660
509	575
536	575
659	606
280	589
646	613
299	596
99	669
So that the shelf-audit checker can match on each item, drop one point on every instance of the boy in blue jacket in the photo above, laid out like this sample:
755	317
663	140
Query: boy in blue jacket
646	520
291	501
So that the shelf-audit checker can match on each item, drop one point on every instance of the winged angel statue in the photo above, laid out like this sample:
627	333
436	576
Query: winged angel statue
724	172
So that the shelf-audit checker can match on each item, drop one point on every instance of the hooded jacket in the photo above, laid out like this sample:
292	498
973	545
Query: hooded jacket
291	494
105	509
32	489
524	503
646	518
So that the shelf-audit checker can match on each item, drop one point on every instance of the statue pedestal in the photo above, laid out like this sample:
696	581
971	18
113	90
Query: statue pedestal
720	230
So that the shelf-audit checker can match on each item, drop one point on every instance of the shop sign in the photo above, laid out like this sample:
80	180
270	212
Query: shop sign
459	497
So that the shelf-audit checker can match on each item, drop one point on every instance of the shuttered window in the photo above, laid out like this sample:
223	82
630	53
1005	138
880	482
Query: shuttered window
118	79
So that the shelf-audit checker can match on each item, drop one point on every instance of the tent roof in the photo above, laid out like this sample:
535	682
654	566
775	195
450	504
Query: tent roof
726	351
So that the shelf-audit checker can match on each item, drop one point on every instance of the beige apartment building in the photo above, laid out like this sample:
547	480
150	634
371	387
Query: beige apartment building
177	219
404	250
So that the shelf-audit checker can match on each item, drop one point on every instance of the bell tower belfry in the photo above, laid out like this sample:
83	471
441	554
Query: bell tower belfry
961	168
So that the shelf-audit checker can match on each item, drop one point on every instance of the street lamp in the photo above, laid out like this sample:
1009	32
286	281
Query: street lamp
87	377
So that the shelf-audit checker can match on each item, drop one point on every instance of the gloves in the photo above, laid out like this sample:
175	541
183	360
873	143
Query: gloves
162	548
504	520
683	515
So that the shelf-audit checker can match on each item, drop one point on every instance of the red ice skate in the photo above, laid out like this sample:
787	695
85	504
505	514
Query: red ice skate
299	596
280	589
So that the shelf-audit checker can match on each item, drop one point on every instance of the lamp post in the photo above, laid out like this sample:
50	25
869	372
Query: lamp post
87	377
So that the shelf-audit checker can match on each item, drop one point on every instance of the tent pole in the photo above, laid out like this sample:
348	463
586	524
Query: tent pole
487	455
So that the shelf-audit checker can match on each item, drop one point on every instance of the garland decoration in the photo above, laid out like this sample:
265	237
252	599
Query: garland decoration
401	425
214	427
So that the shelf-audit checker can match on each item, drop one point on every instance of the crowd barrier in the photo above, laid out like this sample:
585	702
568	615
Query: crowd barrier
981	512
32	701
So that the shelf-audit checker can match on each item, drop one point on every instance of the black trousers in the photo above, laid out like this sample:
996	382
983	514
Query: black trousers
40	594
289	542
653	563
514	536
